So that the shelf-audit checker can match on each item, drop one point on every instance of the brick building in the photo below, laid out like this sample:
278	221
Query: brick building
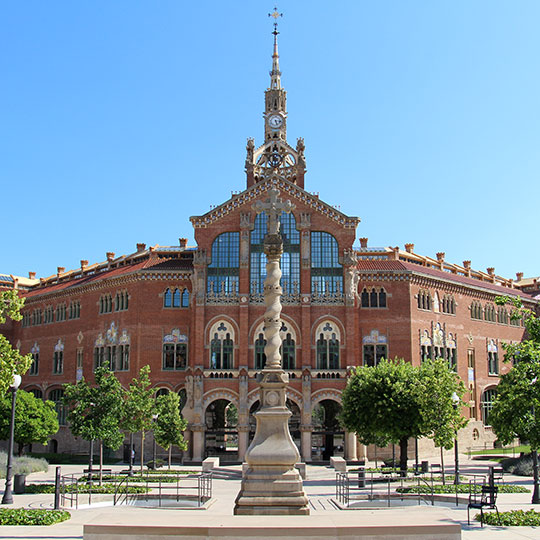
195	314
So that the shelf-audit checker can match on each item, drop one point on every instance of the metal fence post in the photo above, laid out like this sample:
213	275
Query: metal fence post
57	489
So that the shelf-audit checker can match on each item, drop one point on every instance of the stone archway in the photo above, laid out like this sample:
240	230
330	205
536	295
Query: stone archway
328	437
221	434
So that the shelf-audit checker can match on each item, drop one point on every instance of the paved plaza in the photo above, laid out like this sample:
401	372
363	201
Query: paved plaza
319	486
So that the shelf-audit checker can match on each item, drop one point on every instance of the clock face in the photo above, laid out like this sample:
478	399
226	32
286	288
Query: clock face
275	121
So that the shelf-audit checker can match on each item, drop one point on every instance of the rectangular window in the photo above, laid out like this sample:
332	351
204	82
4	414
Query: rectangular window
122	358
58	362
174	356
79	358
373	354
34	367
493	363
99	356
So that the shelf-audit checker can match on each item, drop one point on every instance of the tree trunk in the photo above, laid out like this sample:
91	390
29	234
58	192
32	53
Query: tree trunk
403	456
170	451
100	463
442	466
142	450
20	449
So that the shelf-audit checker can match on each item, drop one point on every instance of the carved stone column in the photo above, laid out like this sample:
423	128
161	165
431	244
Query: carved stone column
271	484
350	446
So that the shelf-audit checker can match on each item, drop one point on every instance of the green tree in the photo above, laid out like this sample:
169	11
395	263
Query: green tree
139	407
442	417
95	411
515	409
381	405
35	420
169	424
11	360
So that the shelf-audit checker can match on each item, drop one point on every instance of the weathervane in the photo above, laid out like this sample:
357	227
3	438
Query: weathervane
276	15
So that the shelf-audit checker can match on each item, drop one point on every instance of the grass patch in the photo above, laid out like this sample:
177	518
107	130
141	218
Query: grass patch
461	488
34	516
506	450
72	459
513	518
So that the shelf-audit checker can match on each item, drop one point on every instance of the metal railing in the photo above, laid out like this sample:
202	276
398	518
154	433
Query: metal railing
76	489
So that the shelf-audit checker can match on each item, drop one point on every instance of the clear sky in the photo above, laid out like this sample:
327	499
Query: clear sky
121	119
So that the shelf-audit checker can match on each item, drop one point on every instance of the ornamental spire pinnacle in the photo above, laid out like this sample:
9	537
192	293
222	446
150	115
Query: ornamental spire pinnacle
275	74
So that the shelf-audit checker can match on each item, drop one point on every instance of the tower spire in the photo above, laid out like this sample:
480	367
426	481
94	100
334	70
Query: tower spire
275	74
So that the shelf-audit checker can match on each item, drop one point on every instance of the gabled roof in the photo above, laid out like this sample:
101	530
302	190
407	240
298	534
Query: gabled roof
249	195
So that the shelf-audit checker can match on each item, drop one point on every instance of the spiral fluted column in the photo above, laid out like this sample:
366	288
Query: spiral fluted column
271	484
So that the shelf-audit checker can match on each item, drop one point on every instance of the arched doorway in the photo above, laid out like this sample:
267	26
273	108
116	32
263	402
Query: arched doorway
221	435
294	421
328	437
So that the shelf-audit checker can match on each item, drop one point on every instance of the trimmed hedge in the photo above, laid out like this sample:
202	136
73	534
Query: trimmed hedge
34	516
513	518
108	489
461	488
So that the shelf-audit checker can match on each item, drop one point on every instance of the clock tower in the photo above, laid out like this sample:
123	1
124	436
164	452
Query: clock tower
275	156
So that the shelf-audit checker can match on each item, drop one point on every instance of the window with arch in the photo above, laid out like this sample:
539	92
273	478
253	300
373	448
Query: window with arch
34	366
36	317
175	351
56	396
162	392
489	313
486	404
38	394
223	270
74	309
424	300
105	303
493	357
327	346
60	312
375	348
48	315
221	346
290	260
451	352
476	310
121	302
287	349
448	304
58	358
27	319
175	298
502	315
112	351
375	298
326	271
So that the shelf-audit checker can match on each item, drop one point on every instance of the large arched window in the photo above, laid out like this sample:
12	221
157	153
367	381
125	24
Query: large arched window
326	272
327	346
290	260
56	396
223	270
221	346
287	349
488	398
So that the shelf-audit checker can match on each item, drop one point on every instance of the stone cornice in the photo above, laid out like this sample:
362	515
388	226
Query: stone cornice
106	283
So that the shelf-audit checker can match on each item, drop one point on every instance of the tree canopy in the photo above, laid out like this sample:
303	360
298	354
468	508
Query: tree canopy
394	401
35	420
11	360
515	409
95	411
169	424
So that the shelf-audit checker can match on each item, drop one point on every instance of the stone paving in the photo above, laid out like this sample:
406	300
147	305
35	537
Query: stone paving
319	486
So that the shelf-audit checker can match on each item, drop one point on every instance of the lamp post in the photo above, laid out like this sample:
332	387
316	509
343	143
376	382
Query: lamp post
8	495
536	490
455	403
154	418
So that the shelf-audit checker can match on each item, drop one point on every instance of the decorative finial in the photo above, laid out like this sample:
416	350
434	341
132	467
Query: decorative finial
276	15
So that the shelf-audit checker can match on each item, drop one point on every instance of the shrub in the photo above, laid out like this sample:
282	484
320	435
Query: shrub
461	488
513	518
73	459
22	465
520	466
107	489
153	466
35	516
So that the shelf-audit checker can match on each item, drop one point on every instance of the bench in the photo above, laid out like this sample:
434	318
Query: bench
210	463
338	463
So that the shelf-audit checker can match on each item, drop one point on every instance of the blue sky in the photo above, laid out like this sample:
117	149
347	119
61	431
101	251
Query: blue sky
122	119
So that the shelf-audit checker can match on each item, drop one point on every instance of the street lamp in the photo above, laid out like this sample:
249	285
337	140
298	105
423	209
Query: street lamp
536	490
8	496
154	418
455	403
